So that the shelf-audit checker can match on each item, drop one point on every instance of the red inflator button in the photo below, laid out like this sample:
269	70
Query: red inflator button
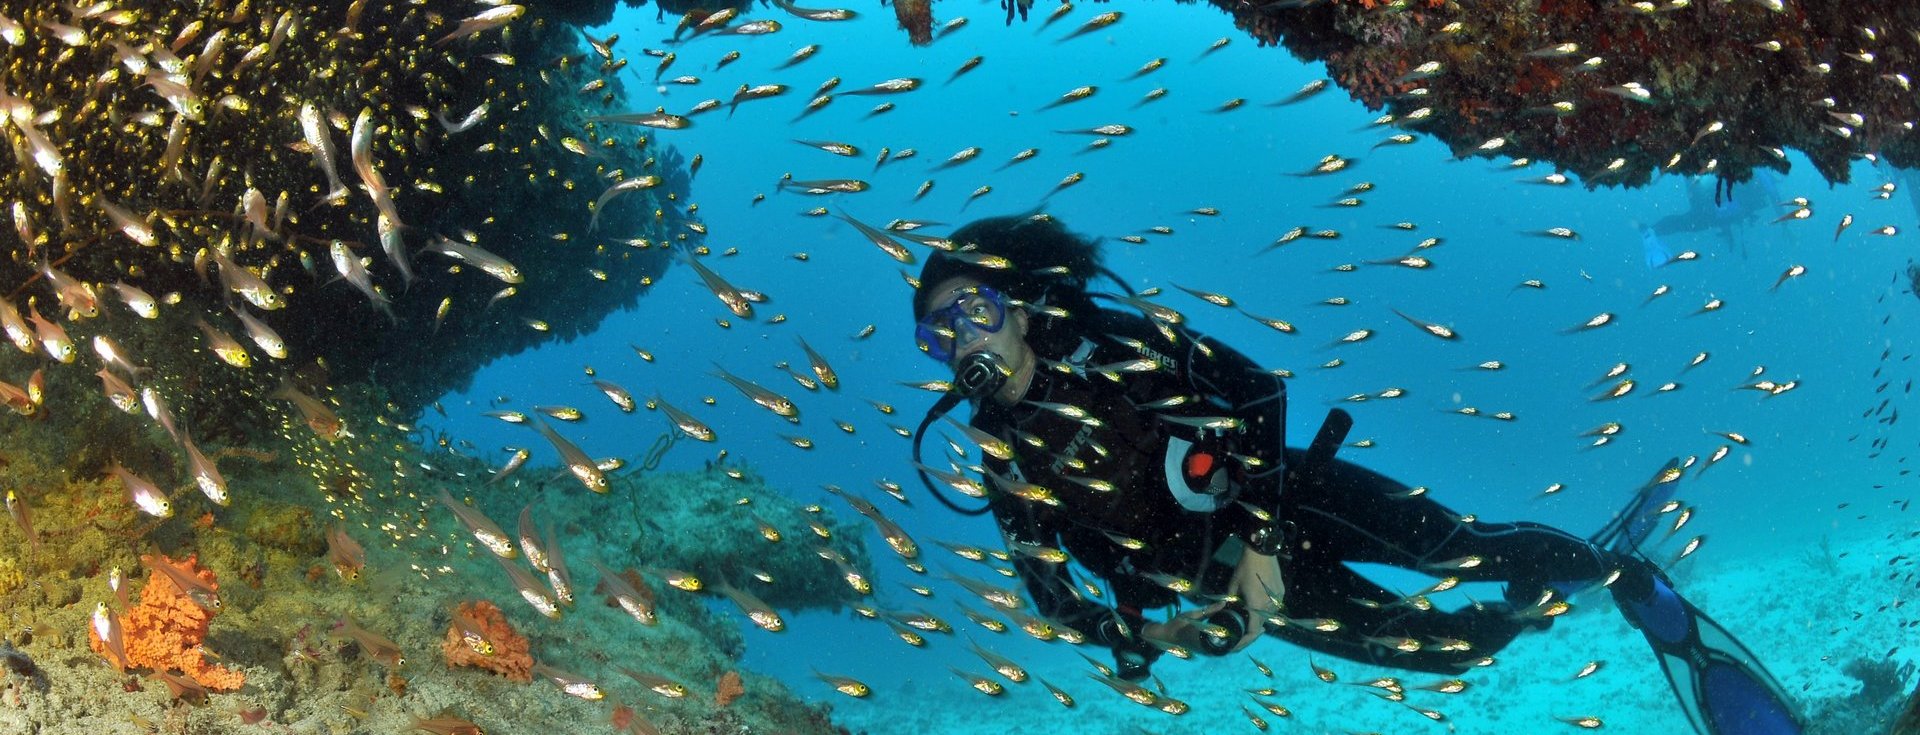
1199	464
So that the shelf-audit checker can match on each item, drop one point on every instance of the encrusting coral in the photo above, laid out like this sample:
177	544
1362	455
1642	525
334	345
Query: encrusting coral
165	630
506	652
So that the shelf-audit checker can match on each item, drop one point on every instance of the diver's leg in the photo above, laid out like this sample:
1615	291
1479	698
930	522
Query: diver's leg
1365	516
1344	512
1332	609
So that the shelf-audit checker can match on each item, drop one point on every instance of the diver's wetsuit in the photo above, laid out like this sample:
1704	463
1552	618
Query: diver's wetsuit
1341	512
1148	467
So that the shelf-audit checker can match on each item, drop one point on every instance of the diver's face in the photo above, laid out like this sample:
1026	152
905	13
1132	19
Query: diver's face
979	328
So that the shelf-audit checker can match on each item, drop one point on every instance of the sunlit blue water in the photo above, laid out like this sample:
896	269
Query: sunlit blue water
1805	475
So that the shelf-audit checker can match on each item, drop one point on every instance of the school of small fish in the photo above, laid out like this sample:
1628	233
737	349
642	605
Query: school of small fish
251	280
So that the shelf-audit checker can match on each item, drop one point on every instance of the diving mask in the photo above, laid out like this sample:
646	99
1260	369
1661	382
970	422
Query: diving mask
976	310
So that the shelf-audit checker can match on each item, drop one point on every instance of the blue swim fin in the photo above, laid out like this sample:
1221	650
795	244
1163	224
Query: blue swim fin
1720	684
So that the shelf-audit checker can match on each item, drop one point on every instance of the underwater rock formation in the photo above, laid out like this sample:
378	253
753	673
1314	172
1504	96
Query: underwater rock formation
1616	91
599	12
916	18
1909	722
271	234
278	598
1874	707
238	165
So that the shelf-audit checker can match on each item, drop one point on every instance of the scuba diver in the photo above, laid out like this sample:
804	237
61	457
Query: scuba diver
1721	207
1156	458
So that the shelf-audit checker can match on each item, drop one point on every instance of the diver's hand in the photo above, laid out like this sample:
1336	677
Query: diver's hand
1182	630
1257	582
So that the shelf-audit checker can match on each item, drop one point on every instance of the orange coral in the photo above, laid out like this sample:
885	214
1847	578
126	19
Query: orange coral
730	688
510	657
165	630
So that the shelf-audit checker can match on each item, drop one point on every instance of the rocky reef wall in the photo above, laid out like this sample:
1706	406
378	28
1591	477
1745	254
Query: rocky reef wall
216	158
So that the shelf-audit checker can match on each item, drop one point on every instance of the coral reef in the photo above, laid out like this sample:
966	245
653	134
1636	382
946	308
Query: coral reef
299	675
1611	92
211	167
18	663
598	12
289	528
706	523
1880	680
506	650
165	631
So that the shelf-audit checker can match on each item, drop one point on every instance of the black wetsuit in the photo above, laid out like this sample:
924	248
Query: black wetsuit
1143	466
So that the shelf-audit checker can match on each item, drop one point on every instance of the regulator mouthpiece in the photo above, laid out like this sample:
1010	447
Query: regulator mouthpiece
979	375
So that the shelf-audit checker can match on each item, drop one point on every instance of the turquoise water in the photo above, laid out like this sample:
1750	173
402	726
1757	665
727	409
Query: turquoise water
1807	475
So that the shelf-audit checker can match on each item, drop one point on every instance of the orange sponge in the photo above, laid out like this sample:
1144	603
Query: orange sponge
480	636
165	630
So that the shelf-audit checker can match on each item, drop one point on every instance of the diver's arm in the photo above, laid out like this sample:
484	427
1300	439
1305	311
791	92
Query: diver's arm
1026	523
1056	599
